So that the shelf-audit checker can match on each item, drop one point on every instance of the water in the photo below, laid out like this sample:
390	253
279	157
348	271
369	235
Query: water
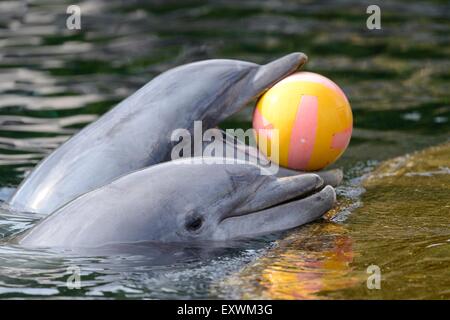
54	81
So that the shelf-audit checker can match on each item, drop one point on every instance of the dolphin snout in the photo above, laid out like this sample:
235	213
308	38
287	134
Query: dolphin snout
269	74
280	190
281	217
281	204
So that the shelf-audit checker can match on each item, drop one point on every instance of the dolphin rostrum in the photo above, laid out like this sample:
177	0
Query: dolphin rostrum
163	204
137	132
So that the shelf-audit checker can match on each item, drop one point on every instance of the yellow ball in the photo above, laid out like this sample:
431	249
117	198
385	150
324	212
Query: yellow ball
312	117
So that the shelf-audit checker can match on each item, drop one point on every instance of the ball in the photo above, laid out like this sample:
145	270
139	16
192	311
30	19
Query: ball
313	119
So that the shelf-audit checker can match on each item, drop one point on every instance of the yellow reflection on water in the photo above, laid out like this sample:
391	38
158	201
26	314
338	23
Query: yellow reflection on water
306	263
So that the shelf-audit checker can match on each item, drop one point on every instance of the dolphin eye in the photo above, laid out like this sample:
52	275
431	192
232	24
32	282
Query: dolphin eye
194	223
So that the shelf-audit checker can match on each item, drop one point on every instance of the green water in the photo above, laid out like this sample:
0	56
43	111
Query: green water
54	81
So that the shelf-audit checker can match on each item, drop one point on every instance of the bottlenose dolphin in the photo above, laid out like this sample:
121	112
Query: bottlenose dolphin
137	132
176	202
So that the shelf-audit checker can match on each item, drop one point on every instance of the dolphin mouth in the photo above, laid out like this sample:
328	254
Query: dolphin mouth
269	74
281	205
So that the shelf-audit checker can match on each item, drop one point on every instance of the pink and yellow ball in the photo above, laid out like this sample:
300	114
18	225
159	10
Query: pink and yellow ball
313	118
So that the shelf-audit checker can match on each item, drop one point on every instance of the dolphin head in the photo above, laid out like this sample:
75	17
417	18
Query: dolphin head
259	79
221	87
183	202
236	201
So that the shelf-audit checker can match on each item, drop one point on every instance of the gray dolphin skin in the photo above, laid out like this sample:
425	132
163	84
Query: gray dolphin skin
236	149
176	202
136	133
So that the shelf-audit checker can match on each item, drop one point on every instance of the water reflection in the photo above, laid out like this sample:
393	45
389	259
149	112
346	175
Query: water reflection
303	266
146	270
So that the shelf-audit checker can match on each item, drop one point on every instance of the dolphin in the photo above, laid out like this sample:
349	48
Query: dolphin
137	132
180	201
235	149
